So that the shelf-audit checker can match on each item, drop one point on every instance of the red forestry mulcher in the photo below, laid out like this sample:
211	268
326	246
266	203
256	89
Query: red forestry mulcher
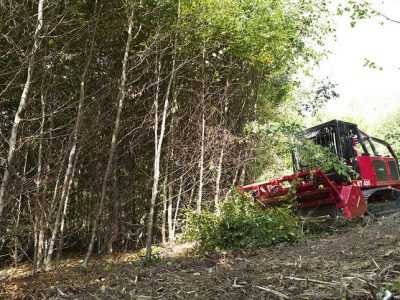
375	191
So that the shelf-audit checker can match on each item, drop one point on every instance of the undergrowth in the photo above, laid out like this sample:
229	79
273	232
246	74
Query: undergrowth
242	224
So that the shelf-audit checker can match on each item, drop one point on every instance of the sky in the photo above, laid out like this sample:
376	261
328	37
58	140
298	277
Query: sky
365	94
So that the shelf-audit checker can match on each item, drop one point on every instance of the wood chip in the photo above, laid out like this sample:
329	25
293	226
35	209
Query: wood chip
276	293
235	285
375	263
332	283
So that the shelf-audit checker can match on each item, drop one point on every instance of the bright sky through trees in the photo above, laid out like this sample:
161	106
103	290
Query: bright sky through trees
365	93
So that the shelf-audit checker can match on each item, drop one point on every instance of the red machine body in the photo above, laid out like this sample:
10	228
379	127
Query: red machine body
322	193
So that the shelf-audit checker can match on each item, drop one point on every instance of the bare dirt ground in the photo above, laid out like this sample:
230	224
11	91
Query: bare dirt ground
357	262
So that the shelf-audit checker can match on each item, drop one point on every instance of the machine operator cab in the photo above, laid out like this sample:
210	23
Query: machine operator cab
372	158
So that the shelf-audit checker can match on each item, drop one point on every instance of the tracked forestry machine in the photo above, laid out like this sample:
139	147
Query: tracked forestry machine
374	191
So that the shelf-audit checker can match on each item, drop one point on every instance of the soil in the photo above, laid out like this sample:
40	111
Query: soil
361	261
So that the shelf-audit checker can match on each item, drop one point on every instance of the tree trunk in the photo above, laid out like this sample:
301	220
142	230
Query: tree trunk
40	248
55	190
191	196
114	139
116	207
234	182
16	241
164	211
171	237
149	230
158	141
203	128
218	181
221	157
64	213
177	209
38	218
21	107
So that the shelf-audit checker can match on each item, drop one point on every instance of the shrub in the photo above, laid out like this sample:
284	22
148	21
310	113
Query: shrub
242	224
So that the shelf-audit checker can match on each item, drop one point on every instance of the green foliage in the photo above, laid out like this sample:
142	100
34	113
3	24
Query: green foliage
155	256
268	37
396	285
315	156
324	93
271	140
242	224
371	64
357	10
393	286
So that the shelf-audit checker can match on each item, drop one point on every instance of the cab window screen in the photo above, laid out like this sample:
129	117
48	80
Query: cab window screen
393	170
380	170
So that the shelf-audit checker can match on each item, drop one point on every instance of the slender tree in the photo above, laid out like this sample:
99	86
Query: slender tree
158	142
114	139
74	145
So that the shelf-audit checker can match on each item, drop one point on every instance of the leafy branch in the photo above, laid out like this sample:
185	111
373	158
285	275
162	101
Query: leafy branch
315	156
